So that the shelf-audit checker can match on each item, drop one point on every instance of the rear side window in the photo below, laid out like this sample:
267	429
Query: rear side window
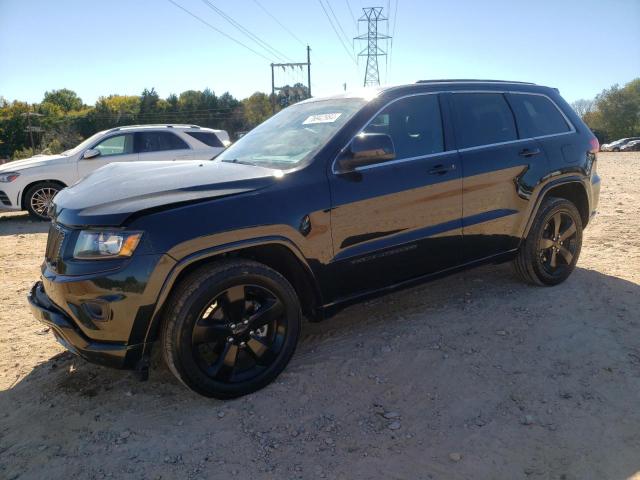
413	123
158	142
483	119
537	115
208	138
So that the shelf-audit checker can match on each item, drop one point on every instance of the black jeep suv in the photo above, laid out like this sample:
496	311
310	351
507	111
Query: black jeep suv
327	202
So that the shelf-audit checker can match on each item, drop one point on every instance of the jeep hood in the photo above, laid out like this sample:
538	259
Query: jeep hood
36	161
114	192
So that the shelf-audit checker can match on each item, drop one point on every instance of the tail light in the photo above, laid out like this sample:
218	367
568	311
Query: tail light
595	145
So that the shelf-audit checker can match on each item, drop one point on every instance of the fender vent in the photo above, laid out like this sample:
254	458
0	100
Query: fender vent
4	199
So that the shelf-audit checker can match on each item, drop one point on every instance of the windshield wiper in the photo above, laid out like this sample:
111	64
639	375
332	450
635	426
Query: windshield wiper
235	160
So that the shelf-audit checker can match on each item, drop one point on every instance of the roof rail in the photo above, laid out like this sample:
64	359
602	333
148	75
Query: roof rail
471	80
152	125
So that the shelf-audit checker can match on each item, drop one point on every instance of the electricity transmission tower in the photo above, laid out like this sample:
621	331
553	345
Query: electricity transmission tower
372	15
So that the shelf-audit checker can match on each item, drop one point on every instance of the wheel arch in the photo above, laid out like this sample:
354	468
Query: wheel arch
572	189
278	254
23	194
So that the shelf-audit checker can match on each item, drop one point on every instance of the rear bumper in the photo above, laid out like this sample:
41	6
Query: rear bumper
111	354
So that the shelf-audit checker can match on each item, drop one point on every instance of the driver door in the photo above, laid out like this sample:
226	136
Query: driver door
115	148
399	219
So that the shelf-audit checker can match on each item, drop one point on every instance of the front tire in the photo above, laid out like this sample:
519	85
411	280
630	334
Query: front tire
39	198
230	328
550	252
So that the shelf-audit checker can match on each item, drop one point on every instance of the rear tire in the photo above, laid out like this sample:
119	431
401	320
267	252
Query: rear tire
39	197
230	328
550	252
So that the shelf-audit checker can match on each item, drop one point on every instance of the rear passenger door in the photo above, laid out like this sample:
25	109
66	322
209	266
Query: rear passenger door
494	157
538	117
160	145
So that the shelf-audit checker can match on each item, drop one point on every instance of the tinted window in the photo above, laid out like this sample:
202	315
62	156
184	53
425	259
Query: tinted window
482	119
413	123
116	145
208	138
158	142
537	115
294	135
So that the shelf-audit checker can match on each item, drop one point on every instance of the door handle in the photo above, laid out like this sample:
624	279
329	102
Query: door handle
439	170
529	152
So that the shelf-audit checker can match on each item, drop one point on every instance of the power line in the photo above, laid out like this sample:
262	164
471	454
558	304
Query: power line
217	30
393	32
338	22
326	14
353	17
271	50
279	23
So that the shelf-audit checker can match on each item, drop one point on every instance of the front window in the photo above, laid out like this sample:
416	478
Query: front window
116	145
294	135
84	144
414	125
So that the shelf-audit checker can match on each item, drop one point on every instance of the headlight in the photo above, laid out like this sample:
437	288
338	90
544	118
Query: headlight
94	244
8	177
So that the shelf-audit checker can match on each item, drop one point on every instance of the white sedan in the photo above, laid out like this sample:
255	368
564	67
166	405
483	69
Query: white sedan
31	184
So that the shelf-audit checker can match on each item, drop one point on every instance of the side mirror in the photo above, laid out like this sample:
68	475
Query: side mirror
91	153
367	149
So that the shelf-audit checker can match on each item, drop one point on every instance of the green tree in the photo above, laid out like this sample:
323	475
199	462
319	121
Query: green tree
256	109
66	99
149	102
13	125
116	110
617	112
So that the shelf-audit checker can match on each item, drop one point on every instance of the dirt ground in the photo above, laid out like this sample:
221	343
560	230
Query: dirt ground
473	376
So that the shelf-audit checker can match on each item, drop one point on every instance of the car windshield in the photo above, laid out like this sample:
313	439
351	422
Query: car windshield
82	145
293	135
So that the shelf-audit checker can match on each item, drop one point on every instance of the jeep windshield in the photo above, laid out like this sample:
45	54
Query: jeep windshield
294	135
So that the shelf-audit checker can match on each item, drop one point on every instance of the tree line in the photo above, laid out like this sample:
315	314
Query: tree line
62	120
614	113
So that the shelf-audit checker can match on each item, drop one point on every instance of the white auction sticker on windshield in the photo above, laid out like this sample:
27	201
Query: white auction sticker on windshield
322	118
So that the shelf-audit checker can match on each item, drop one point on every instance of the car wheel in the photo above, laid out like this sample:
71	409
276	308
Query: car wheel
616	149
230	328
550	252
39	198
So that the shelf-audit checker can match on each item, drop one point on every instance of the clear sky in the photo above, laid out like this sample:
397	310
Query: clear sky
99	47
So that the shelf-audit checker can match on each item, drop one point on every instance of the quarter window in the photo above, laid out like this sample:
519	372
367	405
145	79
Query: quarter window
537	115
413	123
208	138
483	119
116	145
158	142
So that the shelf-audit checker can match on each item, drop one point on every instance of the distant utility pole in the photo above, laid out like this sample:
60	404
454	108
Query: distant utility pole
292	66
372	15
31	128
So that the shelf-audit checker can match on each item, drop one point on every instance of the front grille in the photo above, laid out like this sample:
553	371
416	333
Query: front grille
55	241
4	199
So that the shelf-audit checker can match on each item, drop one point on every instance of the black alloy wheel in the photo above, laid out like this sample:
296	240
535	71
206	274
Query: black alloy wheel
230	328
239	334
549	253
557	244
